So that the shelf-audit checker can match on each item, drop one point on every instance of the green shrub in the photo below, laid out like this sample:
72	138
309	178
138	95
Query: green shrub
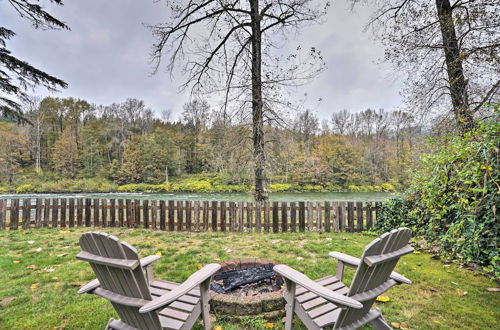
144	188
387	187
25	189
279	187
452	198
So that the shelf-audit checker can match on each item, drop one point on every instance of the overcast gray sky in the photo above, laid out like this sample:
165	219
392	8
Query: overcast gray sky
104	58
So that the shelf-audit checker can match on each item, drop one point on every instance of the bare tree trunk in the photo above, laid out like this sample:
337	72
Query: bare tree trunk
261	193
458	84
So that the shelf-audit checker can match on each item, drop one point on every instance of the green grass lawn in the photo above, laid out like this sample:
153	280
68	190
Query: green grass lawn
39	268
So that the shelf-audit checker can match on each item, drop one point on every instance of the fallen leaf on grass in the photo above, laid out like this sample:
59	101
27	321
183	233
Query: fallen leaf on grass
7	300
432	289
395	325
34	286
31	242
404	326
493	289
62	254
300	258
268	325
16	261
218	327
158	254
199	267
31	267
38	250
77	284
328	238
47	270
383	298
461	292
417	252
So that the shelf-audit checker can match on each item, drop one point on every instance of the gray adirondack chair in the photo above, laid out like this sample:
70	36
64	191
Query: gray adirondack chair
140	301
329	304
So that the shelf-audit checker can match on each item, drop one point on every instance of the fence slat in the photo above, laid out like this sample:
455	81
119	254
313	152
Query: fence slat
350	216
46	212
14	214
232	217
266	217
71	215
249	217
369	222
121	211
196	216
241	208
302	216
128	213
319	218
112	213
275	218
95	214
206	206
137	213
38	213
154	214
55	212
79	212
284	217
359	215
145	213
309	216
63	212
214	216
293	217
104	213
327	217
341	210
180	215
26	212
335	217
258	217
163	215
223	216
171	217
3	213
188	215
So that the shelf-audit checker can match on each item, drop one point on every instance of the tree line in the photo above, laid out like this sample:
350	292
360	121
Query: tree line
128	143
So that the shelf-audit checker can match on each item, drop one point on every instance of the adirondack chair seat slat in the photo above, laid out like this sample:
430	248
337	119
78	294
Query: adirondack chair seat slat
375	260
128	283
169	286
119	263
328	303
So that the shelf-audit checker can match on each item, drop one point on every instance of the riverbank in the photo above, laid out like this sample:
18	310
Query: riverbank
184	185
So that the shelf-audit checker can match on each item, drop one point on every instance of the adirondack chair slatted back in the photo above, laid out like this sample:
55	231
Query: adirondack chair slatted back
373	274
117	267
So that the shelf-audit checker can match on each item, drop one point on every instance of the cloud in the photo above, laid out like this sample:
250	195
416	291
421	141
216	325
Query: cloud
105	56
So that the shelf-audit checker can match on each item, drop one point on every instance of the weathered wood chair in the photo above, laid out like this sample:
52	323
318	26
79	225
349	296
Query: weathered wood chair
328	303
141	302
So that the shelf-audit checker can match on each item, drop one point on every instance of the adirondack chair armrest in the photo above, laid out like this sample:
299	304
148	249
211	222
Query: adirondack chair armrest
354	262
193	281
89	287
146	261
304	281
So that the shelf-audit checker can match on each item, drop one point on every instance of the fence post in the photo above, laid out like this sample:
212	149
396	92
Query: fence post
3	213
14	213
284	217
26	212
71	216
327	216
38	213
275	218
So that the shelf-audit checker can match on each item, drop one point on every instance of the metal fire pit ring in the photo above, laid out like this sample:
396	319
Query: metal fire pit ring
269	305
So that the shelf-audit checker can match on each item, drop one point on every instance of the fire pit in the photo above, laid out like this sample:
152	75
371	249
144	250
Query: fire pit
247	287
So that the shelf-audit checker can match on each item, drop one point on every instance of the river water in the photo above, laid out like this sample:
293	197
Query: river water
231	197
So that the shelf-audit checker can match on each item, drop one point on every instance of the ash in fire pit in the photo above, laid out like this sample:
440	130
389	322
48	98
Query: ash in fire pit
247	282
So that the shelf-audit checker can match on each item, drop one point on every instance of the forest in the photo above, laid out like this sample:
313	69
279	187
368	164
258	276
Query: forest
74	145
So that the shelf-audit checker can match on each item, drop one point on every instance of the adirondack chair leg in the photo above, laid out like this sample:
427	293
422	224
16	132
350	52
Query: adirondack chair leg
205	307
290	303
380	323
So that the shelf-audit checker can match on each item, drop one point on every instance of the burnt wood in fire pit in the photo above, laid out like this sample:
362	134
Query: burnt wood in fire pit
233	279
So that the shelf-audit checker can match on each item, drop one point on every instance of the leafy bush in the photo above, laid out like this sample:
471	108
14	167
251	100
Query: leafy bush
279	187
452	198
144	187
25	189
387	187
3	190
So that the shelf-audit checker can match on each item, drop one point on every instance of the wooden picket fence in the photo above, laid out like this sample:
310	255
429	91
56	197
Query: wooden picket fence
193	216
